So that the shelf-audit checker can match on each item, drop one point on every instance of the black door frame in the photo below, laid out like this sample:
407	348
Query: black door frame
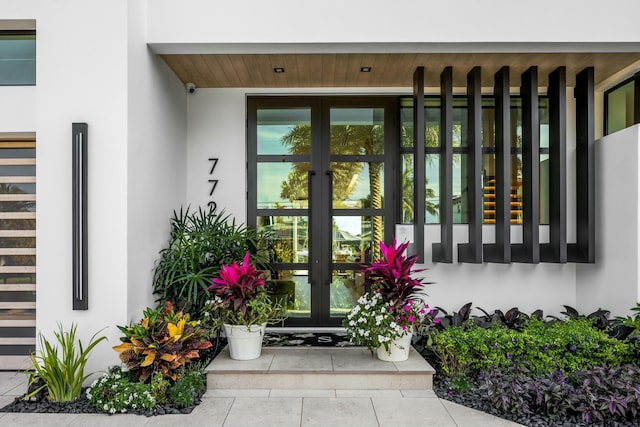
320	265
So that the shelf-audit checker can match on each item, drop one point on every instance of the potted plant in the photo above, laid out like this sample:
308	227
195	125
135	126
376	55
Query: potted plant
241	305
200	243
385	318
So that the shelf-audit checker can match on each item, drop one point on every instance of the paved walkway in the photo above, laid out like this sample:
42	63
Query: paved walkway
278	408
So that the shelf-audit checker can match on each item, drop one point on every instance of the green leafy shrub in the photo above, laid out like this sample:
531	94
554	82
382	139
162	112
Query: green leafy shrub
195	379
117	391
200	243
183	393
159	387
569	346
164	341
62	374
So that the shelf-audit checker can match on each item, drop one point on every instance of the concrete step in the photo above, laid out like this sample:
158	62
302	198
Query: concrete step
337	368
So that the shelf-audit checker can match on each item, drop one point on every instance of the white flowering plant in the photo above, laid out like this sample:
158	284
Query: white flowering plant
115	392
375	322
394	305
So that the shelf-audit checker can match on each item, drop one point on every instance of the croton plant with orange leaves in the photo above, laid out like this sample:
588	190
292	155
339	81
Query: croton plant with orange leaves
163	341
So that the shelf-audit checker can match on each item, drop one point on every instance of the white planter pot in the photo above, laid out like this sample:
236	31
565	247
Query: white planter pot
245	342
398	349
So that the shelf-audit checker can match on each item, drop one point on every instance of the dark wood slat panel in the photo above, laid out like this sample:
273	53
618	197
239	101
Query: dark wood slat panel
443	251
472	252
529	250
556	249
418	161
500	251
584	249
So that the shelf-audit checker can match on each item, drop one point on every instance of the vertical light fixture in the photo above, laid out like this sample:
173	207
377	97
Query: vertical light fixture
79	196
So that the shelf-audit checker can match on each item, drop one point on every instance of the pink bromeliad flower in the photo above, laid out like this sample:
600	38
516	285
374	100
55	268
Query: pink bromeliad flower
391	274
237	284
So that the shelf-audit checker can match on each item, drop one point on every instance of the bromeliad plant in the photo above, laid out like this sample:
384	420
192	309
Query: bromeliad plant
395	304
164	341
240	297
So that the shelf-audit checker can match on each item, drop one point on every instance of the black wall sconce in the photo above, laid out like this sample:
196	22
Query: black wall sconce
79	195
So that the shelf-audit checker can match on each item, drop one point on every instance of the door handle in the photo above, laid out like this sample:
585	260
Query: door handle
329	175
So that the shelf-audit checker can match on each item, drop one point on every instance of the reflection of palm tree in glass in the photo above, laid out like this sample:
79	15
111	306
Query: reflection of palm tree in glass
345	139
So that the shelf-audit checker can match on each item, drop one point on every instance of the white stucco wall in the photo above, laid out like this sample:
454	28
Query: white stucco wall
413	21
216	128
613	281
156	164
17	108
82	79
136	111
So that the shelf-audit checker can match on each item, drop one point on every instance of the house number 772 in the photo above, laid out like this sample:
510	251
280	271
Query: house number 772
213	183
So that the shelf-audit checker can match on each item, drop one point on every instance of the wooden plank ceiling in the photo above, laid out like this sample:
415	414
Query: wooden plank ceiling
388	70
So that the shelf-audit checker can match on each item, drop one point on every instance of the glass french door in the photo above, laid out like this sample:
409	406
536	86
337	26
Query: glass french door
319	196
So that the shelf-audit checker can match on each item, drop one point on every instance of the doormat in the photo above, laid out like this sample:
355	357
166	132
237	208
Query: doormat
306	339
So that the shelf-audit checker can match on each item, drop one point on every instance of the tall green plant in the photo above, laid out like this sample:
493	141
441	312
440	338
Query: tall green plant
63	374
200	243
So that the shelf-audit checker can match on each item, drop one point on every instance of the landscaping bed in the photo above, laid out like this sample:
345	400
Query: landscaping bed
476	398
84	406
535	370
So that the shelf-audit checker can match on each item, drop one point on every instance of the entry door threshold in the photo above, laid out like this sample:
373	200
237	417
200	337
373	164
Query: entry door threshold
305	329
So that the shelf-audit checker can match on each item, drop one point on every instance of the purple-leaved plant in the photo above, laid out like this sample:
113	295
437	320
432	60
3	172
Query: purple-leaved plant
391	274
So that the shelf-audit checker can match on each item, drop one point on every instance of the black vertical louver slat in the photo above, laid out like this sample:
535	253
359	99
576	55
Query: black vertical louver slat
583	250
471	252
636	99
529	250
500	251
443	251
79	215
418	161
556	249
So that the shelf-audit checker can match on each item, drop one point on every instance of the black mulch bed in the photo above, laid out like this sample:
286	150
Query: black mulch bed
82	406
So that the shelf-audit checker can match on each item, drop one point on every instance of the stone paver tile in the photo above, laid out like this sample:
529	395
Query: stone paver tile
411	411
237	392
369	393
39	420
468	417
418	393
216	408
352	412
264	412
5	400
13	383
361	361
302	393
183	420
223	362
104	420
301	360
415	363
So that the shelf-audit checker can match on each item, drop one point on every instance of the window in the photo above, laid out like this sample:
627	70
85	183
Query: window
460	153
621	105
17	58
